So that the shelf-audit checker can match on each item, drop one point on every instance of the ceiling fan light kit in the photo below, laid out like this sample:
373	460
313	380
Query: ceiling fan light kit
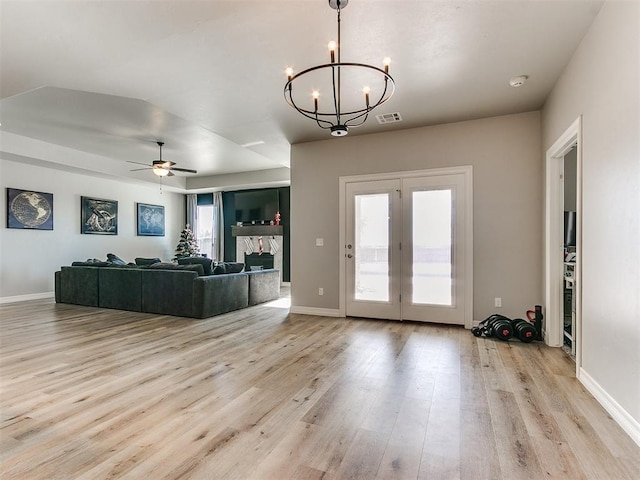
332	117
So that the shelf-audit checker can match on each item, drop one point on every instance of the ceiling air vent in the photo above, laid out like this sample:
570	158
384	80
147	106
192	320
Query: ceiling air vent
389	118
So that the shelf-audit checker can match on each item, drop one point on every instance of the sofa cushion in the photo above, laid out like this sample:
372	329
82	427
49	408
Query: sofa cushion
113	258
147	261
204	261
172	266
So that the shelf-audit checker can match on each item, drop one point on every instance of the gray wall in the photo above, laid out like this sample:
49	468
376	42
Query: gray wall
602	84
28	259
505	154
570	179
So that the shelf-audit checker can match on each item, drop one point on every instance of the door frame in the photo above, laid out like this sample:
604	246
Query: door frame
554	243
467	171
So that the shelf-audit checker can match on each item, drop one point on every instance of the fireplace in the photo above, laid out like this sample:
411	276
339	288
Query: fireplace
259	246
256	261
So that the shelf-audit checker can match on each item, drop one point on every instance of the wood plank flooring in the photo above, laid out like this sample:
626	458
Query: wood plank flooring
88	393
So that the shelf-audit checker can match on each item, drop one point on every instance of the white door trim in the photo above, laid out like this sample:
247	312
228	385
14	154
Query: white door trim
467	171
553	241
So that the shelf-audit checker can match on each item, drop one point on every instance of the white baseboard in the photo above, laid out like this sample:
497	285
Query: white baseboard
619	414
25	298
322	312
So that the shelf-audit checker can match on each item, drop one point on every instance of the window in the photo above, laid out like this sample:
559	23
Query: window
205	230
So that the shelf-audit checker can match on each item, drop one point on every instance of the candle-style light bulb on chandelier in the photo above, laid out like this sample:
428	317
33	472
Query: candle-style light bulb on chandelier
329	114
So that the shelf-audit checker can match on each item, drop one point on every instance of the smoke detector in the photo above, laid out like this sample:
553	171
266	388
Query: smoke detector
518	81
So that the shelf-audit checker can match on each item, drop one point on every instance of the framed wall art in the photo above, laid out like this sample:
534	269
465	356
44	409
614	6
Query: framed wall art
98	216
29	210
150	220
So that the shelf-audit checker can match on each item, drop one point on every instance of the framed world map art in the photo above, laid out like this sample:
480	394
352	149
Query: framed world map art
29	210
150	220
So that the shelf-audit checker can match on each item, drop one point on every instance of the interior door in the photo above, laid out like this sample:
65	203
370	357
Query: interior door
405	250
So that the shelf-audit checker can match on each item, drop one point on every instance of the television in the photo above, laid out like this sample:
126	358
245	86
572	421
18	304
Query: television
257	206
569	229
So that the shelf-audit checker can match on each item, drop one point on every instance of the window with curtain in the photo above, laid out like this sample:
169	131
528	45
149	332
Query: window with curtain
205	233
210	233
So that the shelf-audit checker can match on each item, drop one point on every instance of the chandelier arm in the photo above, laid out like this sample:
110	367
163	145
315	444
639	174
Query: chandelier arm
306	113
337	98
349	124
310	115
327	127
336	93
382	98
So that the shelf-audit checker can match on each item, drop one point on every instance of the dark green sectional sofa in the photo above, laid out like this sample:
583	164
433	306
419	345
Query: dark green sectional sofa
181	293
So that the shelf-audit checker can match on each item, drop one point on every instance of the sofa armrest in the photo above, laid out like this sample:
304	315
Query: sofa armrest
56	286
216	294
79	285
264	286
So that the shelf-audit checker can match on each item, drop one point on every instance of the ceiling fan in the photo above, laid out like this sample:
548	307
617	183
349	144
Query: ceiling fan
162	168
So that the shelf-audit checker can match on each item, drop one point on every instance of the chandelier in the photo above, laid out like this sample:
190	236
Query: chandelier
335	114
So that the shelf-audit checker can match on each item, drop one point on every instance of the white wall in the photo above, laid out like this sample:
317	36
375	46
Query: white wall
505	154
29	258
602	83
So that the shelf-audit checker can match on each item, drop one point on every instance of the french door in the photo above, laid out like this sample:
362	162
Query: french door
405	248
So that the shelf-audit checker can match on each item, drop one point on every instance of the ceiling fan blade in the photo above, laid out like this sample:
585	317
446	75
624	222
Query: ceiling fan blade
138	169
187	170
171	174
138	163
163	163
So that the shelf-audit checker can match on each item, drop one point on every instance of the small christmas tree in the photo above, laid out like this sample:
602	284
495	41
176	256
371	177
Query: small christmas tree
187	246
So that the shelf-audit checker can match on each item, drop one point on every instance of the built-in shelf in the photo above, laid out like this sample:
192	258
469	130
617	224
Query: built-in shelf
257	230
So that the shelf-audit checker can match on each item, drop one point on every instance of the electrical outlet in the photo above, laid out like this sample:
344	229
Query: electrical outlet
319	242
321	291
498	302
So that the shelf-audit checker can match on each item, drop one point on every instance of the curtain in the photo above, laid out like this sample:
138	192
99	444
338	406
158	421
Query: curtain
218	228
192	213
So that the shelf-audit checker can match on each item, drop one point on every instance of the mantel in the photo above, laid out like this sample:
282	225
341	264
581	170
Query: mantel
256	230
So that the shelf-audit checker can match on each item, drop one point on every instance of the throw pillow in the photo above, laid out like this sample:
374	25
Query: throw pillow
172	266
115	259
234	267
91	264
204	261
147	261
219	269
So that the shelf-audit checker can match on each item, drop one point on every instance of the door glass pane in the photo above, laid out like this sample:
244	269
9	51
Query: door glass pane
371	249
432	234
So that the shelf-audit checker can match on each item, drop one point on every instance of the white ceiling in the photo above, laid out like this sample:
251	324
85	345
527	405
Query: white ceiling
108	79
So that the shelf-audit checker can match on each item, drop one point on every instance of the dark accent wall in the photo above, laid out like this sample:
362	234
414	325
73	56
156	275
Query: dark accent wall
229	208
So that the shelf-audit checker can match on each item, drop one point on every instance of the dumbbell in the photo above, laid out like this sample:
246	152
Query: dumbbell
524	330
500	327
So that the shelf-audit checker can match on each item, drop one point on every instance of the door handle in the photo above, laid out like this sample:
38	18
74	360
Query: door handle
349	255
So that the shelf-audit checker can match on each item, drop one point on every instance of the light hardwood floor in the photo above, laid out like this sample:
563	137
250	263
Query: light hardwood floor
260	394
